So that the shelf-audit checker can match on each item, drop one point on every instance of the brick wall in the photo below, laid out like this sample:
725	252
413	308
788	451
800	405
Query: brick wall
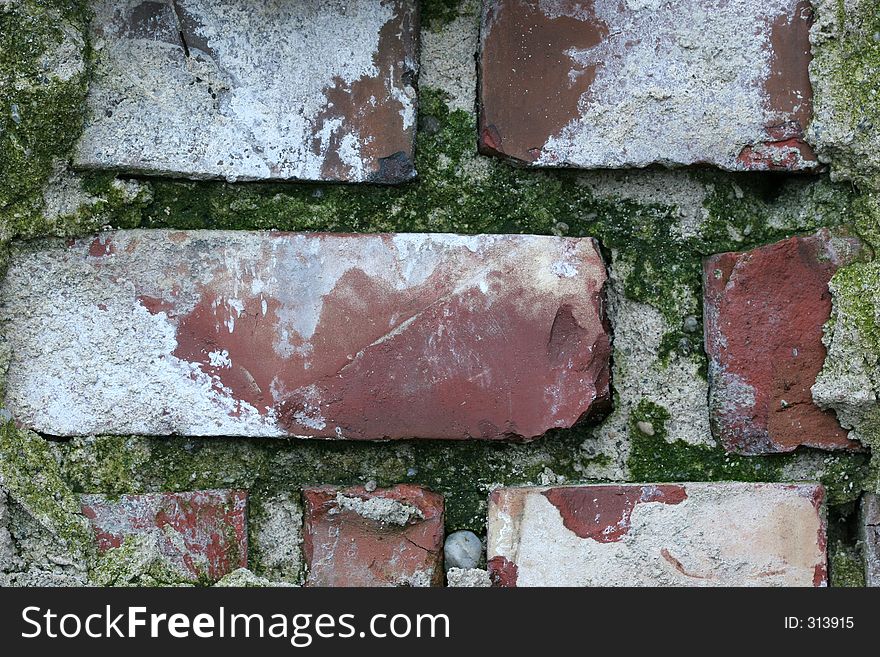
439	293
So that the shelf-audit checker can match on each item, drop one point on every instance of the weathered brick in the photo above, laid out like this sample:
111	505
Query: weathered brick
200	535
870	537
254	89
602	83
694	534
315	335
387	537
764	312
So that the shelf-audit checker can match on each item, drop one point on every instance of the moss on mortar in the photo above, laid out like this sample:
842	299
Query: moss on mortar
464	472
653	458
41	102
845	566
456	192
436	13
846	74
135	563
30	473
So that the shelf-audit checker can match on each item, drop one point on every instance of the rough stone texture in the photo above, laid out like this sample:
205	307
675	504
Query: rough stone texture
276	537
604	84
198	536
870	537
384	537
7	545
244	578
849	383
332	336
468	578
695	534
245	90
846	77
764	312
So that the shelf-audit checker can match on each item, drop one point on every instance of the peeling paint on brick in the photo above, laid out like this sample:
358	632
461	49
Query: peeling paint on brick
693	534
604	84
254	90
330	336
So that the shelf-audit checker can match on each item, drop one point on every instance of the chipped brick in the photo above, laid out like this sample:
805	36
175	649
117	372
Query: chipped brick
693	534
254	89
605	84
764	313
312	335
384	537
200	535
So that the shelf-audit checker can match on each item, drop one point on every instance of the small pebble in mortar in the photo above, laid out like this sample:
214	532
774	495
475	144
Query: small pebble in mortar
462	549
645	427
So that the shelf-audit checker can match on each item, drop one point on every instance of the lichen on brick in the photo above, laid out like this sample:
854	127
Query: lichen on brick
845	73
30	474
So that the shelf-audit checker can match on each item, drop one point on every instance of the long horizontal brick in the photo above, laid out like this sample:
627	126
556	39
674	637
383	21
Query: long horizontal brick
764	313
254	89
199	535
384	537
314	335
695	534
602	83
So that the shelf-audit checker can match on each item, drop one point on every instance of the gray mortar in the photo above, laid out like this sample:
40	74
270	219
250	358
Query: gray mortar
845	132
468	578
447	59
35	555
380	509
275	541
849	383
244	578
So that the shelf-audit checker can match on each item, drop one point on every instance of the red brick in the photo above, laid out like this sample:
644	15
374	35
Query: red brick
364	337
764	312
602	83
692	534
387	537
201	534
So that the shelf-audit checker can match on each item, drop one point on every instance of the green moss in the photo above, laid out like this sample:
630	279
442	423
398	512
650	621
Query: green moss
31	474
653	458
857	289
845	566
846	66
41	112
844	476
136	563
436	13
464	472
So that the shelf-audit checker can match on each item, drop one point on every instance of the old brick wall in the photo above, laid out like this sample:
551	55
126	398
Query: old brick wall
439	293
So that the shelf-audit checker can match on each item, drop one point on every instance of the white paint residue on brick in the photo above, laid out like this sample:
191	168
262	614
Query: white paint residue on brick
721	535
102	371
688	85
115	319
245	108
